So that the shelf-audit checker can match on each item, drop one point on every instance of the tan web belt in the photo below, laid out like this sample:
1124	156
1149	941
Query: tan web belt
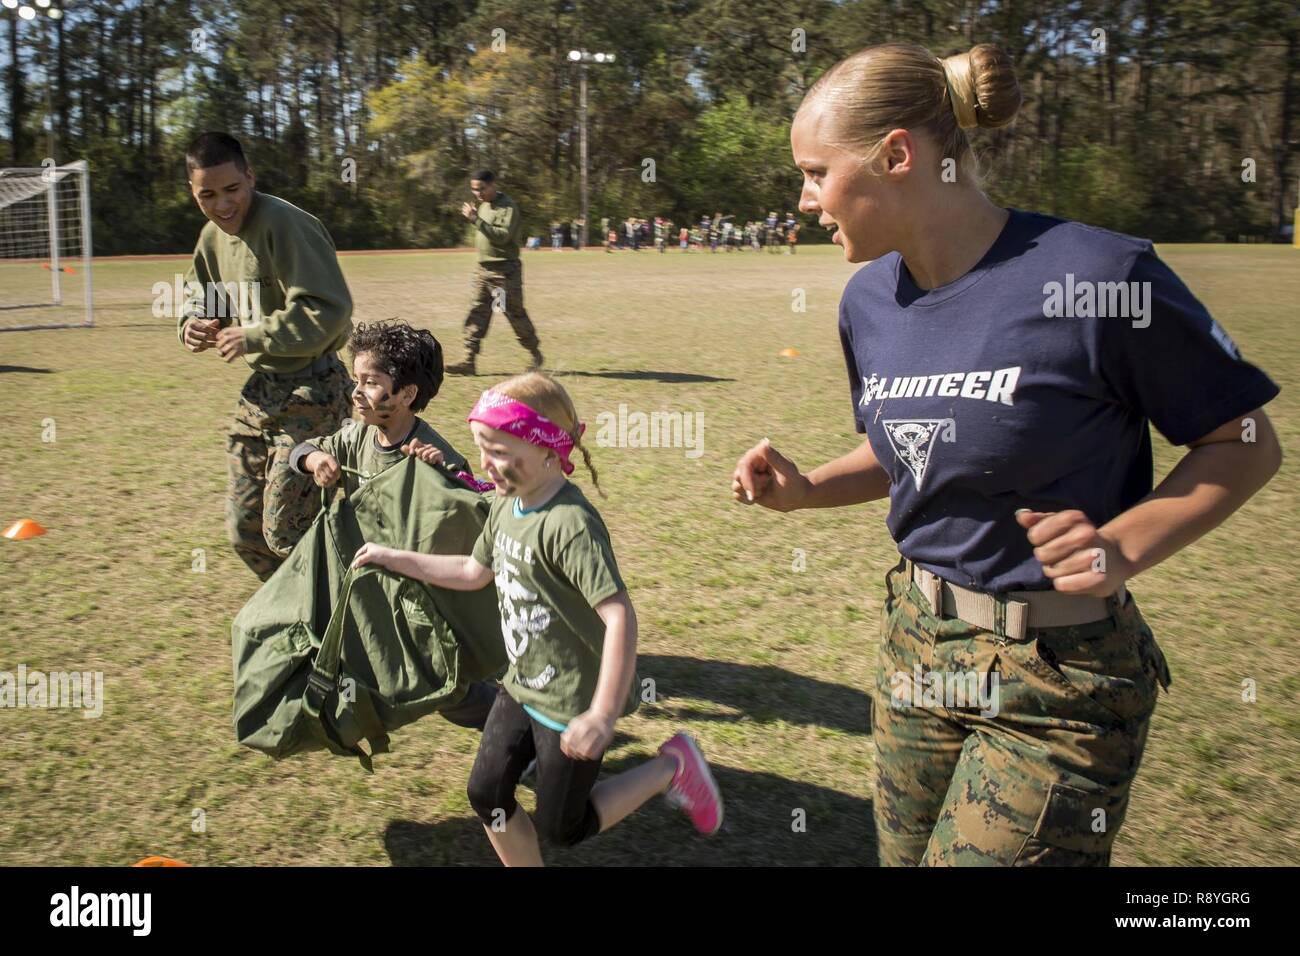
1009	614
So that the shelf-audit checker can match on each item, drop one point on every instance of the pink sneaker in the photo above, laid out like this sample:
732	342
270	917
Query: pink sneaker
693	788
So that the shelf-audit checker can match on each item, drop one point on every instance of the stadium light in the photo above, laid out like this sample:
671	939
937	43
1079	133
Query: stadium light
582	58
28	12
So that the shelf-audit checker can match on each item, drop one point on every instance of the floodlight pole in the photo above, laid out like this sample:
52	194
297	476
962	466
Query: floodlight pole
582	148
582	58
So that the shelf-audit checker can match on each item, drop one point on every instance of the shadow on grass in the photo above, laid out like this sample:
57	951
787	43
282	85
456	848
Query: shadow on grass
762	810
672	378
24	368
761	692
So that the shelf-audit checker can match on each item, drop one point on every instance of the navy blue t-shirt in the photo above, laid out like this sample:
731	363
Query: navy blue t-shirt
1029	383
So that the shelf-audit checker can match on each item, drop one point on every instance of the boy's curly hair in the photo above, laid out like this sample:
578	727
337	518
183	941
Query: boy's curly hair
409	356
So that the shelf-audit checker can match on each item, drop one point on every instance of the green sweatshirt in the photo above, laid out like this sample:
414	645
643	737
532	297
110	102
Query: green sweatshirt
302	308
496	231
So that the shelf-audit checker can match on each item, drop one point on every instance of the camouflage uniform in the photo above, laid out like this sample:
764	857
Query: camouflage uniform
267	508
506	274
1045	780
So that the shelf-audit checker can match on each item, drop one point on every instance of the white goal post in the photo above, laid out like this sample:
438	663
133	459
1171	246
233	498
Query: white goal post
45	250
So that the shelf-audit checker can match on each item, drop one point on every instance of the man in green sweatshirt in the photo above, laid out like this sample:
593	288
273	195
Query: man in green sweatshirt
498	278
265	285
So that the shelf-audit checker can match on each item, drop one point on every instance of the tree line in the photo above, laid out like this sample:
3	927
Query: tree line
1173	119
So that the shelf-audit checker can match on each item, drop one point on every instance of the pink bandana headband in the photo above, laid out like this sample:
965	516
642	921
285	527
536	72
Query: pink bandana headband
498	410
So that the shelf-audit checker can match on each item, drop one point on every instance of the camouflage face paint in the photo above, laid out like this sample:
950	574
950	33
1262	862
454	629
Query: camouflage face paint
383	407
371	378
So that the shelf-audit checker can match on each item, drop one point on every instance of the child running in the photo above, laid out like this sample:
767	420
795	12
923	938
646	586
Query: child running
403	370
398	370
570	633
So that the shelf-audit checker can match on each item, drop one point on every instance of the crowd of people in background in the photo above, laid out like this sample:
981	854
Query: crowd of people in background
716	232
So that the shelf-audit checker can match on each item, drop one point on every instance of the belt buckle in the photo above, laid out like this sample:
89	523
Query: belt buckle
1012	617
931	586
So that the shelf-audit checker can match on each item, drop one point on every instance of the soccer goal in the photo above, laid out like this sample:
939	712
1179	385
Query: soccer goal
45	247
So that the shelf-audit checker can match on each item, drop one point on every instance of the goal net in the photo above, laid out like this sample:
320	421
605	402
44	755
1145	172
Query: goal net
45	247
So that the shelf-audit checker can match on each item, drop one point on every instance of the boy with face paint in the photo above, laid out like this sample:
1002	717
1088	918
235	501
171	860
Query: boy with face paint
398	370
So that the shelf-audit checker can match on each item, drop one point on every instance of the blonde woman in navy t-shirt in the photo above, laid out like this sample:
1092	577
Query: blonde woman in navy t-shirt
1004	367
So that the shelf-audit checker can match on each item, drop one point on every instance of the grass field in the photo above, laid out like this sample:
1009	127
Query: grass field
769	667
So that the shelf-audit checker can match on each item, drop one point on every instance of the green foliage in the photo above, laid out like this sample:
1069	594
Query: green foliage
1097	185
1147	136
739	160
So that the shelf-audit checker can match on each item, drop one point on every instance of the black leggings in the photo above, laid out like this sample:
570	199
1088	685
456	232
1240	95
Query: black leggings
565	815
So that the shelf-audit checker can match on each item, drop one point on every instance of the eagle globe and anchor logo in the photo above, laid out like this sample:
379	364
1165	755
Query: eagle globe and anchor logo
912	438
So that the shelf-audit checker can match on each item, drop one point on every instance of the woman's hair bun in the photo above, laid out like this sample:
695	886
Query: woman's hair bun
996	92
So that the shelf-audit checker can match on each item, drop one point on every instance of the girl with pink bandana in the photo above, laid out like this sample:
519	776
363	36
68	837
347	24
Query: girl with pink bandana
570	633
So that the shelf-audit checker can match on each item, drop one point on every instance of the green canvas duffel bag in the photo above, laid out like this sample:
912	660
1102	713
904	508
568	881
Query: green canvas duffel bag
325	657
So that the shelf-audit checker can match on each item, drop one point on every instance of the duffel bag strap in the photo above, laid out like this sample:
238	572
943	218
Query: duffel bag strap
323	679
325	668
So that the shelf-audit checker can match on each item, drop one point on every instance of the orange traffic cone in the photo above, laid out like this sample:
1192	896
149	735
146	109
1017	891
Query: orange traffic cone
788	353
159	861
23	528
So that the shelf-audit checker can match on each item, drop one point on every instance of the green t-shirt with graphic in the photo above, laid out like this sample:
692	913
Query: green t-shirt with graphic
356	445
553	565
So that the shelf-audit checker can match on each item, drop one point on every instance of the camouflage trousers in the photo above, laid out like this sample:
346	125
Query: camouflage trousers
498	285
1035	767
267	507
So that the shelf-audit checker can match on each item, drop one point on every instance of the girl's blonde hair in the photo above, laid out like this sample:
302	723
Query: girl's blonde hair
902	85
545	395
